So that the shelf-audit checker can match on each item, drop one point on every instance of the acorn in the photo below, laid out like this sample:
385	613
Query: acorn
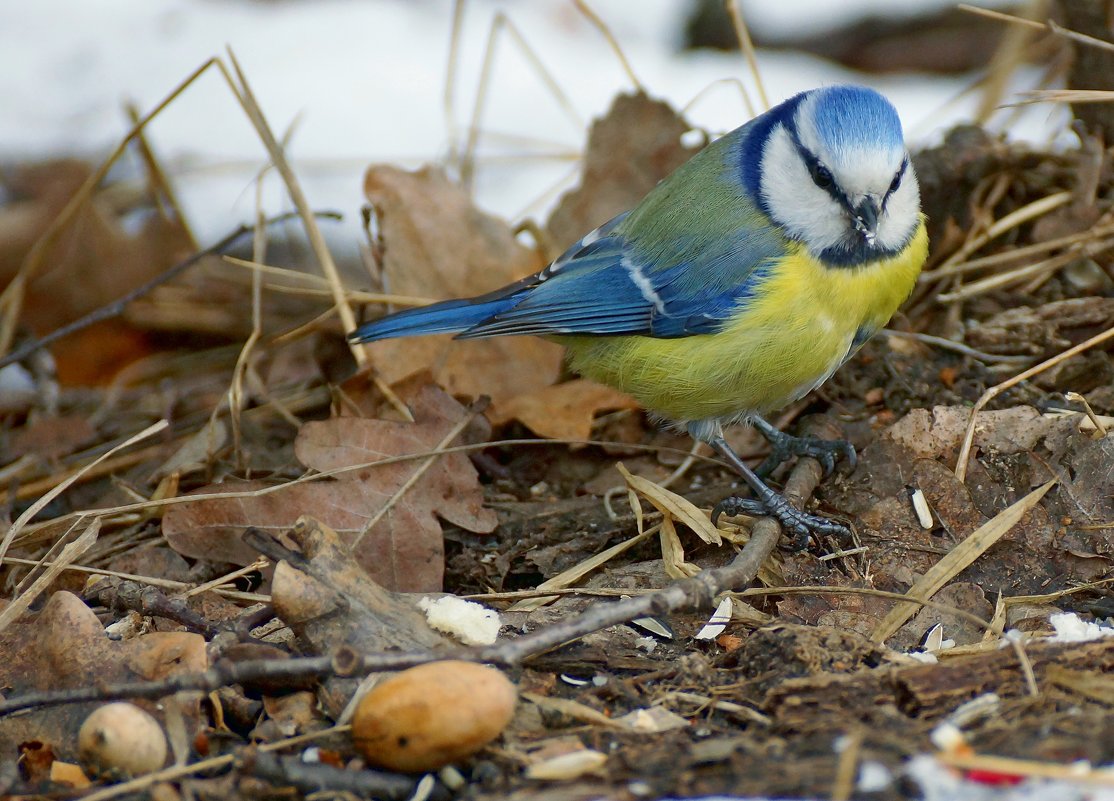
431	715
121	739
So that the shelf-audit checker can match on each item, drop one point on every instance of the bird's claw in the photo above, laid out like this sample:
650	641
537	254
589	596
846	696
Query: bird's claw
799	525
826	451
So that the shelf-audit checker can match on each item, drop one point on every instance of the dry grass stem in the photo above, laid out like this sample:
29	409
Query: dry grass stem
1016	276
420	471
1065	96
58	489
956	560
70	553
569	576
1009	256
11	300
499	23
1008	56
847	768
747	102
161	187
320	285
166	584
1025	214
997	389
228	578
583	7
746	44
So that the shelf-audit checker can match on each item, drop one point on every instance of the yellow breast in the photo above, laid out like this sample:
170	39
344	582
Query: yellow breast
785	340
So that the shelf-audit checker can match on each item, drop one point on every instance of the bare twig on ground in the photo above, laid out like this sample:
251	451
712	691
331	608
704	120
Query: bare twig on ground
697	592
320	777
116	308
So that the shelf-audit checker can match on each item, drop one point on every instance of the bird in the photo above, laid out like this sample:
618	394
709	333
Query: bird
737	285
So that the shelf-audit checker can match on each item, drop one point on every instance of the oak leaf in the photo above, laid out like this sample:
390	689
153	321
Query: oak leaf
398	504
438	245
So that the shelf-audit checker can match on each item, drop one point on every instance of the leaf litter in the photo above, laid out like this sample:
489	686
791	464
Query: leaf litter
363	512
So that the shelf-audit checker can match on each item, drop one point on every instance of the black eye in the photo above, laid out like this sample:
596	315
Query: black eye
821	176
896	182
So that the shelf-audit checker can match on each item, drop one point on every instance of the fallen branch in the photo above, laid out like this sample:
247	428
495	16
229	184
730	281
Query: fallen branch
694	593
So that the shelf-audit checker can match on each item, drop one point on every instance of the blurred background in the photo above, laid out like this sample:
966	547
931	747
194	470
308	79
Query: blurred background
352	82
500	94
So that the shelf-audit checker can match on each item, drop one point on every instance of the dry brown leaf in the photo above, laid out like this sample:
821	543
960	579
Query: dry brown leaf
564	411
50	437
403	550
939	432
630	149
437	244
73	279
65	646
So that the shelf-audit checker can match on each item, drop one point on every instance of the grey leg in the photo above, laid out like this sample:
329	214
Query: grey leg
767	502
785	446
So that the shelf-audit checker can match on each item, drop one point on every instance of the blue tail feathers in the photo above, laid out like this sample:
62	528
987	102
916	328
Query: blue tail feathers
447	317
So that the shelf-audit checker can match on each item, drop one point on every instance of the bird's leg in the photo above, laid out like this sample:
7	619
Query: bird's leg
784	446
796	523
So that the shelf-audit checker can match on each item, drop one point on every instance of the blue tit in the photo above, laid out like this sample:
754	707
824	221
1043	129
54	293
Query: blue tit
737	285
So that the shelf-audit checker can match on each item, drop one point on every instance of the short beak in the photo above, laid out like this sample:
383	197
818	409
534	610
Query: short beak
866	218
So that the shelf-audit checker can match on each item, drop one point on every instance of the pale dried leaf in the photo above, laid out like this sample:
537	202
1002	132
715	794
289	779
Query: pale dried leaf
564	411
956	560
438	245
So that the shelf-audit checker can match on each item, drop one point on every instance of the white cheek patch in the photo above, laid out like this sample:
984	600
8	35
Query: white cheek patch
807	212
901	216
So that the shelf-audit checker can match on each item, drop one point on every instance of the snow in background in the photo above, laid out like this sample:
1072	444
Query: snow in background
362	81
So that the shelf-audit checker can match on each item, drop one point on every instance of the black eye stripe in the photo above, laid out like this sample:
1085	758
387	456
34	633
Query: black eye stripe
816	168
896	182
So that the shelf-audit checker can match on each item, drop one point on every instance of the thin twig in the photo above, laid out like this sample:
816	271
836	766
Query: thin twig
996	390
453	433
948	344
1100	427
11	300
746	44
213	763
1051	26
116	307
583	7
697	592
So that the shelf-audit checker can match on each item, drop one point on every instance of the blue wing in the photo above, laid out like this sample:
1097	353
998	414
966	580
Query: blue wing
679	264
613	286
